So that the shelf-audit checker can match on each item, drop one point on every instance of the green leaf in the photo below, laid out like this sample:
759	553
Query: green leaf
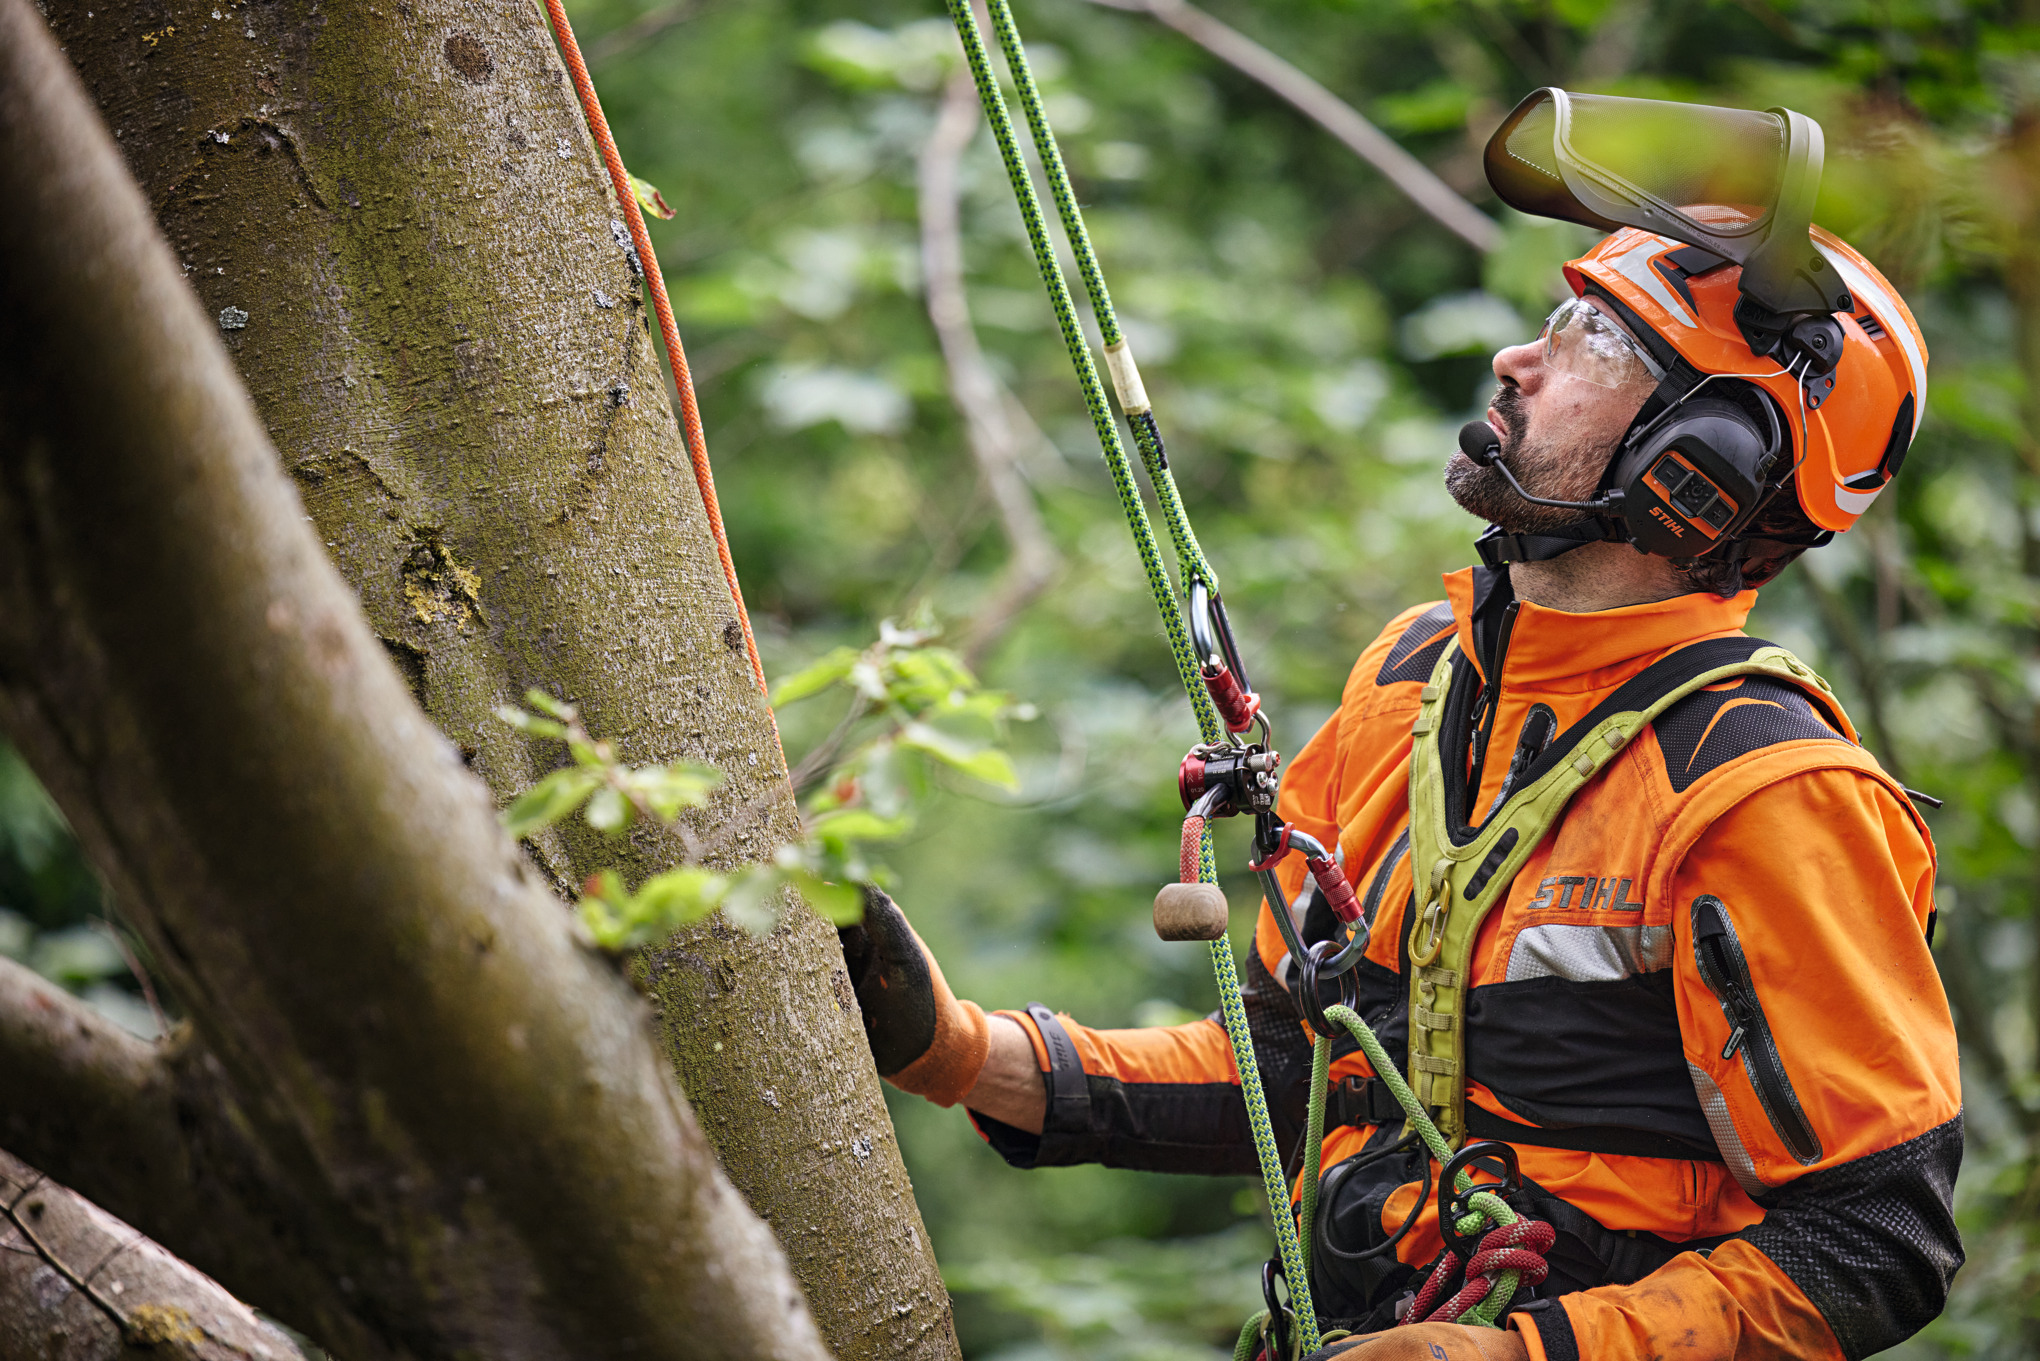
544	703
666	902
609	812
621	920
840	904
815	677
551	799
753	901
668	789
859	824
980	762
530	724
649	198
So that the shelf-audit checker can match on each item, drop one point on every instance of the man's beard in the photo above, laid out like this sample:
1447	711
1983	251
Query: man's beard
1561	469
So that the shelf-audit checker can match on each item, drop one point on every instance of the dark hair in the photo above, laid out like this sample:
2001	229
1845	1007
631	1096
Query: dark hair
1779	533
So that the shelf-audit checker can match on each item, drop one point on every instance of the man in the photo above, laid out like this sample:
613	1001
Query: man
1703	1011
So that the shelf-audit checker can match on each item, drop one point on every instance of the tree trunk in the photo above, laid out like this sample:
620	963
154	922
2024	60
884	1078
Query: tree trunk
76	1284
439	1117
396	213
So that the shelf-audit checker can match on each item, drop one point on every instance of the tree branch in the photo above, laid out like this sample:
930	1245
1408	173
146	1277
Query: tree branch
1328	111
979	396
121	1293
640	31
463	1131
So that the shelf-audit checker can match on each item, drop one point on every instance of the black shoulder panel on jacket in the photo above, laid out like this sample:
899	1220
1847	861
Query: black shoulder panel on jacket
1871	1242
1711	727
1418	650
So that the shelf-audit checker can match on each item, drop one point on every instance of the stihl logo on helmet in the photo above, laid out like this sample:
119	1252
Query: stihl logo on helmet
1717	269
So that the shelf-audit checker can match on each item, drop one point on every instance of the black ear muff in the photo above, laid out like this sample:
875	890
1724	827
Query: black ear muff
1691	482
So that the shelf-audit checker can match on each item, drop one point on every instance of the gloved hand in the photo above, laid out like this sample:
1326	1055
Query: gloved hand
1429	1342
922	1038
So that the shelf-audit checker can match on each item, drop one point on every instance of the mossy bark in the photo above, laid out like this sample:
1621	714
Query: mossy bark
437	1121
396	215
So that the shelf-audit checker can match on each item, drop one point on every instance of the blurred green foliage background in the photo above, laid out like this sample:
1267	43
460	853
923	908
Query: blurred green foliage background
1311	341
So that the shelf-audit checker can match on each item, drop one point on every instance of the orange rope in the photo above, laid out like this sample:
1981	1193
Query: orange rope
683	381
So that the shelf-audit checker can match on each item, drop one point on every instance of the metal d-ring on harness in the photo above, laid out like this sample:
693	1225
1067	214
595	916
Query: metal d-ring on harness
1224	775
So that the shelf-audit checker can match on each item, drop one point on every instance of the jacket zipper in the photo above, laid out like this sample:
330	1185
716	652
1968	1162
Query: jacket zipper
1727	975
1490	706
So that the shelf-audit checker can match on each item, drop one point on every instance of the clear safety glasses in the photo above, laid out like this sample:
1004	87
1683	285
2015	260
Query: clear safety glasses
1580	341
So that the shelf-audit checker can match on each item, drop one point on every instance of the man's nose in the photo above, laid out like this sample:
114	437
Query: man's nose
1522	365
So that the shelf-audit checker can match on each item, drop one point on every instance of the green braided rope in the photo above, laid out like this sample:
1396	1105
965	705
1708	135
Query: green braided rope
1190	557
1116	462
1250	1337
1486	1206
1313	1142
1295	1268
1052	162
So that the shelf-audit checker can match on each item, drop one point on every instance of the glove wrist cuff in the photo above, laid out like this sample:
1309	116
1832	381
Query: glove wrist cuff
950	1068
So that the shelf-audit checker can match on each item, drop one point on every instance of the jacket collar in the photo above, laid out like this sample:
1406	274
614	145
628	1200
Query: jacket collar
1567	651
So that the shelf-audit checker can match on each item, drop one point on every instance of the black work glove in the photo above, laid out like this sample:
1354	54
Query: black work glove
922	1038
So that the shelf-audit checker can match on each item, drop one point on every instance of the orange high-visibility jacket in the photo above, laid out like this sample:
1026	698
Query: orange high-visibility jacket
1764	1174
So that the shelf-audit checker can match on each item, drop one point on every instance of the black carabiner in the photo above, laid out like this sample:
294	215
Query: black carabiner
1307	967
1452	1202
1278	1311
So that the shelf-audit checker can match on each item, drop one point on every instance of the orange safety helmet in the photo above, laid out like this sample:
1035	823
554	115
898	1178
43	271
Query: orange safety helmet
1854	434
1782	355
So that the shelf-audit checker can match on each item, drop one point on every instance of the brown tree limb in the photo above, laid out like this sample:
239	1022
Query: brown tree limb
979	396
467	1130
76	1284
1410	176
447	345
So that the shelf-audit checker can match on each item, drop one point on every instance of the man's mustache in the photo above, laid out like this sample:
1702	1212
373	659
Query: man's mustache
1507	404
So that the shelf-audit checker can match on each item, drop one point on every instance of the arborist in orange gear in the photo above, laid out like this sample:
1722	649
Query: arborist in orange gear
1702	1012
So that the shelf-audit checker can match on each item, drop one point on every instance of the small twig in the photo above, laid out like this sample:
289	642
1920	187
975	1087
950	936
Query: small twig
641	30
57	1264
976	391
1416	180
141	974
819	760
737	822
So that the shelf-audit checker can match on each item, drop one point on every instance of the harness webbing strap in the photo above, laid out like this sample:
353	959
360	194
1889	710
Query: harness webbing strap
1464	872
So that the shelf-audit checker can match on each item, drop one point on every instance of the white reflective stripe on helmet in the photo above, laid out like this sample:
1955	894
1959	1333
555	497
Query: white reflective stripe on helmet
1892	318
1634	265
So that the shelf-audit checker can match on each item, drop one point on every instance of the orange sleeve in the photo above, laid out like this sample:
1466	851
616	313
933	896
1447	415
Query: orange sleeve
1163	1098
1822	1051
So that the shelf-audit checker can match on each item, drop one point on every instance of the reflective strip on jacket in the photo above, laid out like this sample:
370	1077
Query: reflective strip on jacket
1789	1199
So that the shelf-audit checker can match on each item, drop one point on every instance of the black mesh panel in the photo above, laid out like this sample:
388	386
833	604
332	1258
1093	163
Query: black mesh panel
1872	1242
1711	727
1418	650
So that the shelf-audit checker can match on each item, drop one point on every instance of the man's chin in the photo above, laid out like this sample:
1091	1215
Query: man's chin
1486	495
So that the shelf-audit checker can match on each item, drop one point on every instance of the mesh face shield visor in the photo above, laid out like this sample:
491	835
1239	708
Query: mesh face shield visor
1733	181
